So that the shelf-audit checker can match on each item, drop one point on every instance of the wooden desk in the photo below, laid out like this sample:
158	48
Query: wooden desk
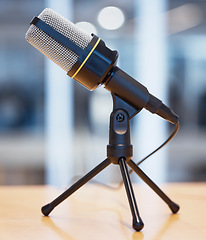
99	213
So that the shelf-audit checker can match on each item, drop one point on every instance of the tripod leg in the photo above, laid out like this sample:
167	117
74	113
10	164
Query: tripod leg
173	206
49	207
137	221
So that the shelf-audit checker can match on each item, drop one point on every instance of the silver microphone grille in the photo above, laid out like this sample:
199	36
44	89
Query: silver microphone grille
52	49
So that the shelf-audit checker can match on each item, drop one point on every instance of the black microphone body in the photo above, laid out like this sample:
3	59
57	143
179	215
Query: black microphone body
101	68
93	64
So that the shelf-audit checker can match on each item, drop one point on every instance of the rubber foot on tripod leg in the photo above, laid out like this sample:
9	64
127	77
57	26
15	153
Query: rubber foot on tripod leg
47	209
174	207
137	226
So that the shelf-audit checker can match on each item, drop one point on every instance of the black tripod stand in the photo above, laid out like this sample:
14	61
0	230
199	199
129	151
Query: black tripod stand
119	151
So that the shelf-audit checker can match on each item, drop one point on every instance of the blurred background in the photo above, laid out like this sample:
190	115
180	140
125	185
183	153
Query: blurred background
52	129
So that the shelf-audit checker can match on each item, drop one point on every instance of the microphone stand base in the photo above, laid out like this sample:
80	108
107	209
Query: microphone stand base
119	152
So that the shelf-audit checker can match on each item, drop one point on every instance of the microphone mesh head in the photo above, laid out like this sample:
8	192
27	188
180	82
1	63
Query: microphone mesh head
52	49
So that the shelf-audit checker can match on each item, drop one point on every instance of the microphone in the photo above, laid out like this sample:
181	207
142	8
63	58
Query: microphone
89	61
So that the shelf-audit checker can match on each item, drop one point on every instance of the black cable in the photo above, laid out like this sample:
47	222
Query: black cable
177	125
